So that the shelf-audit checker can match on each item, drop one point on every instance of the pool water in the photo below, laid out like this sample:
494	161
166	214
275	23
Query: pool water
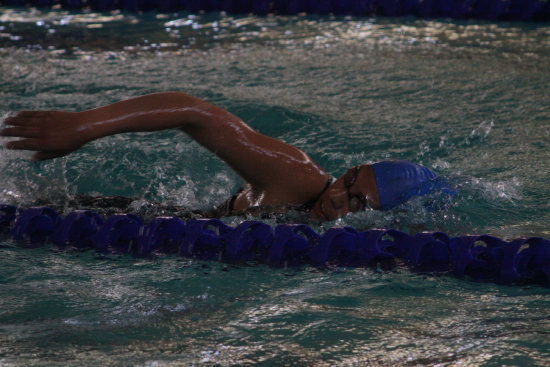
467	99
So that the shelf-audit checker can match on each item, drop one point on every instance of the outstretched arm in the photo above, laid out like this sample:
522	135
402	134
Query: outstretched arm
269	165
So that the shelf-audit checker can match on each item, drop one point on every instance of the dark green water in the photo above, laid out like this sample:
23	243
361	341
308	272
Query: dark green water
469	100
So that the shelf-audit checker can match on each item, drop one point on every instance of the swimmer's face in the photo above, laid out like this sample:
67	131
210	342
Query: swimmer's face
354	191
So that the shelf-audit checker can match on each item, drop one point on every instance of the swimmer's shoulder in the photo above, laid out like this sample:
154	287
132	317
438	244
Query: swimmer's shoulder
293	195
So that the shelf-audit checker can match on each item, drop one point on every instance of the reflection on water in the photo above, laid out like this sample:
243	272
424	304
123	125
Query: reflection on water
468	99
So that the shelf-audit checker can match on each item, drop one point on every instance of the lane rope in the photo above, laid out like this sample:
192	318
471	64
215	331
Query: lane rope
477	257
507	10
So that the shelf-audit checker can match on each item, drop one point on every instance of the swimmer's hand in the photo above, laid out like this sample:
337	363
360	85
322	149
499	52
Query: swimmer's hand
50	134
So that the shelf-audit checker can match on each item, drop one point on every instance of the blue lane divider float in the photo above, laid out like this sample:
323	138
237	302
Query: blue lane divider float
204	239
161	235
119	234
33	226
292	244
483	257
523	10
77	230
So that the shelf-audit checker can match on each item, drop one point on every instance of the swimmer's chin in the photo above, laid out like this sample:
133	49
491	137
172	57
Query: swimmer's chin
317	214
314	218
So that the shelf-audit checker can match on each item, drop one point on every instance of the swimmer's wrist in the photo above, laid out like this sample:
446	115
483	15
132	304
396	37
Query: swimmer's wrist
89	128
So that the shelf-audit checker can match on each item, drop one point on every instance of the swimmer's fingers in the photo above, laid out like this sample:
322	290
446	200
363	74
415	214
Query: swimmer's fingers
25	118
25	144
49	134
21	131
36	145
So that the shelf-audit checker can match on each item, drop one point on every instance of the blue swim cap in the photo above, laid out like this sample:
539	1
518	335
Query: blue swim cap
398	181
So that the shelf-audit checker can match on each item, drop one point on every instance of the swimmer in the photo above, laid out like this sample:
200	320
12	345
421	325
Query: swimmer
278	176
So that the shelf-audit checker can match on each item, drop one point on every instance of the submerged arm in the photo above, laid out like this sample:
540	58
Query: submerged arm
267	164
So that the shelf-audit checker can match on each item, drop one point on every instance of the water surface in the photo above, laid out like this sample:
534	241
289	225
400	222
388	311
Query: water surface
467	99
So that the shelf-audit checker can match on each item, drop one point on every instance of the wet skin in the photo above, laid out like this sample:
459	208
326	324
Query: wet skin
276	174
354	191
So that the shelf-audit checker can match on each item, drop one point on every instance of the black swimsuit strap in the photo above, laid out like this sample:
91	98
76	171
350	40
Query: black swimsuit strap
309	205
227	208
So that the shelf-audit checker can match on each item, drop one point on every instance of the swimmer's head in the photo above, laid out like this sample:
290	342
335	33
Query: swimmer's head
382	185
